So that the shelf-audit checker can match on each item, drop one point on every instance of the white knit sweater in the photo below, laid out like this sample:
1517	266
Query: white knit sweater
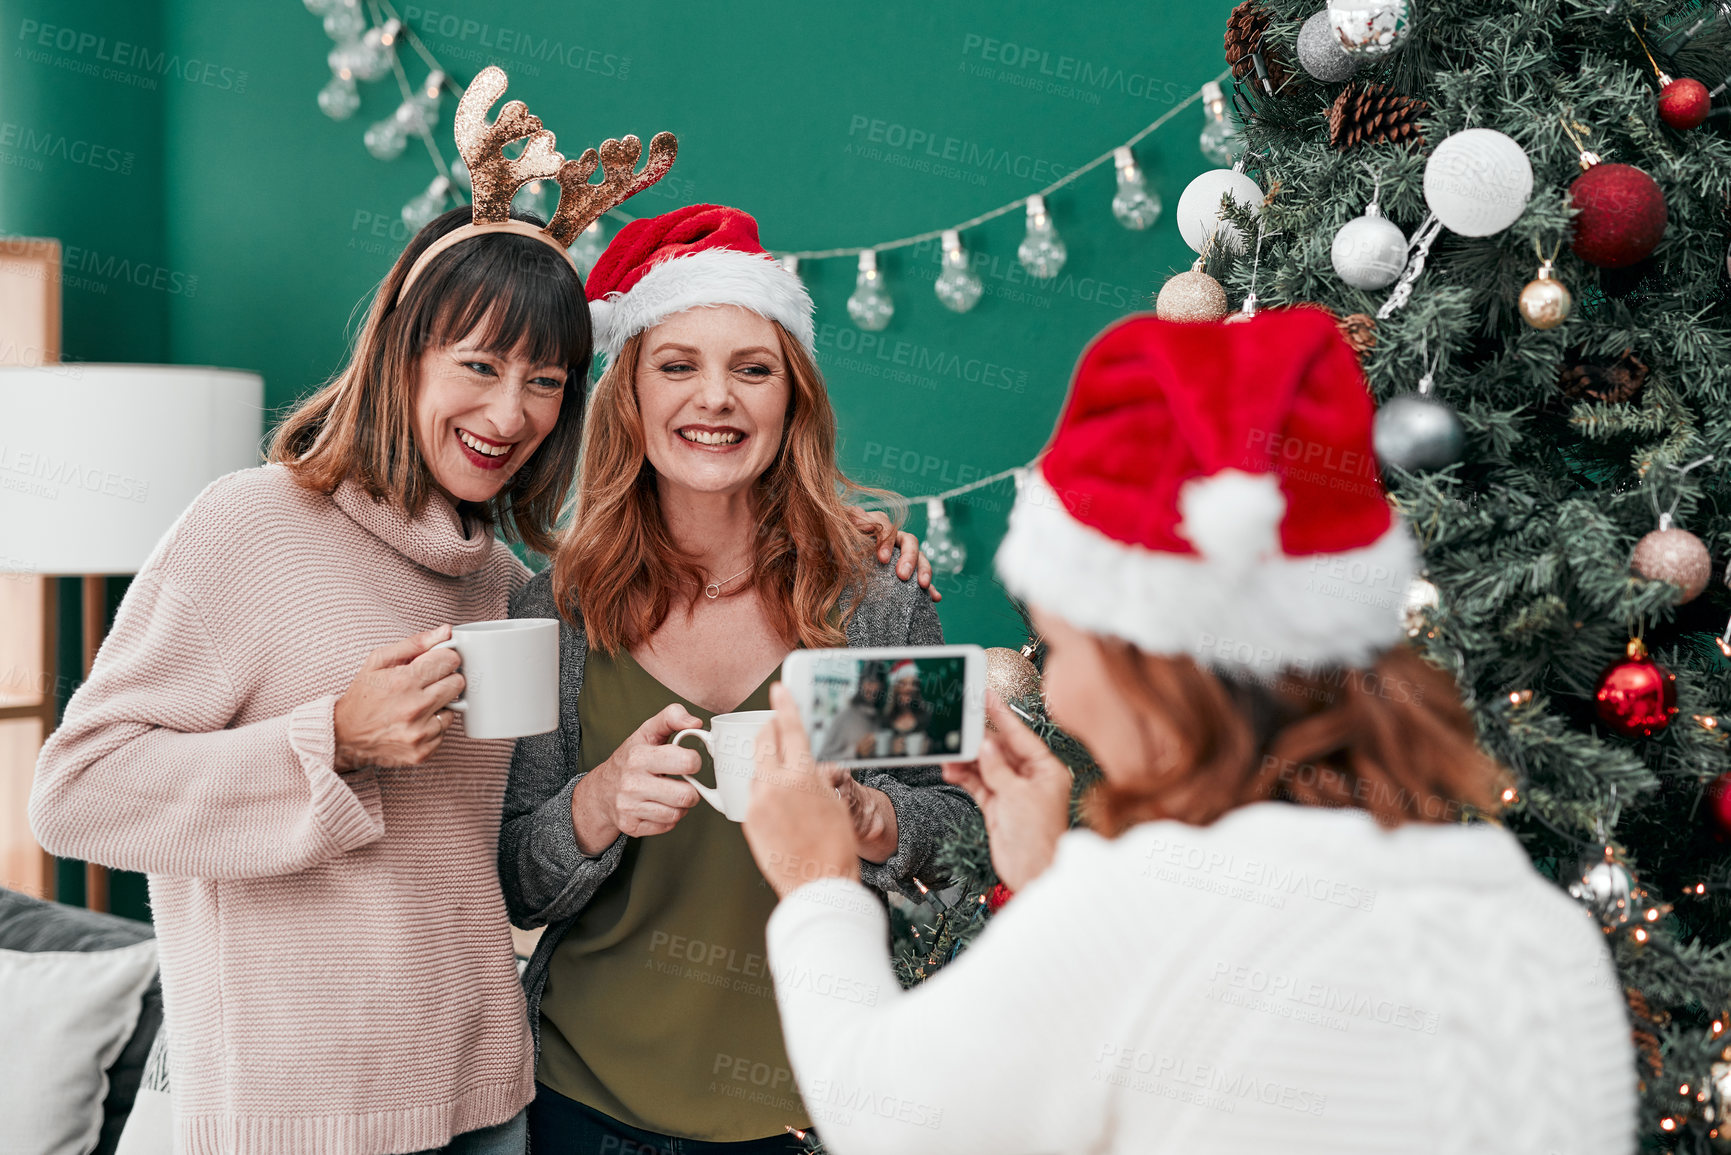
1287	980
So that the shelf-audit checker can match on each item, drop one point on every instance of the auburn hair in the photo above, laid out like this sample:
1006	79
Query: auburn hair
512	295
1392	739
617	568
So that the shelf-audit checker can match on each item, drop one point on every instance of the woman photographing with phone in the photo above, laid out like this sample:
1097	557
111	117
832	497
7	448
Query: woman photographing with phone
1295	925
713	540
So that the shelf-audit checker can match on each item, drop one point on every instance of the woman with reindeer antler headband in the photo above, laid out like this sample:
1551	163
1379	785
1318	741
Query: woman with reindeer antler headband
714	540
267	731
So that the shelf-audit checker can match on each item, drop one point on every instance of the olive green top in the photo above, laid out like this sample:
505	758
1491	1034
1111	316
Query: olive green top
659	1010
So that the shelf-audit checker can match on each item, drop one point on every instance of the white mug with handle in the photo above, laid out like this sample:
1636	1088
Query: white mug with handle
510	674
732	742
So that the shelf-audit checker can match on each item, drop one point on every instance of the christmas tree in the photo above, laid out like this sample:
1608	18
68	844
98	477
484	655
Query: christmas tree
1540	301
1541	307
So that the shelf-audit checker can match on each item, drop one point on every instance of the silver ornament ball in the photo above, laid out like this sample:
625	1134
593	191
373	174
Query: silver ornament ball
1676	556
1369	28
1418	433
1370	251
1192	296
1607	888
1321	53
1422	596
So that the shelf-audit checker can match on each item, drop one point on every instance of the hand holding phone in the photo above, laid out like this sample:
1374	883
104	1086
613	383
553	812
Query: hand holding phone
1022	790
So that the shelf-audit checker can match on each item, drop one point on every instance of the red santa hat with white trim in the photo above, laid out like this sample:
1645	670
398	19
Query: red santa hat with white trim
1212	490
686	259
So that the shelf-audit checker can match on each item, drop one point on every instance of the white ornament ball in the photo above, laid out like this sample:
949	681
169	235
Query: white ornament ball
1321	53
1369	28
1370	251
1478	182
1192	296
1198	213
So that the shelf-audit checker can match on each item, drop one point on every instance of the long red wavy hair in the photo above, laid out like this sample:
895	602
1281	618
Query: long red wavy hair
618	569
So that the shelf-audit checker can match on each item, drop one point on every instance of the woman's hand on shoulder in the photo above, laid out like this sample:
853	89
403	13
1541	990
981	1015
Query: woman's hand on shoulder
1022	789
394	711
640	789
913	563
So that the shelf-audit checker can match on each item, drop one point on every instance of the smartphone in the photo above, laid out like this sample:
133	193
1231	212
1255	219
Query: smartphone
892	705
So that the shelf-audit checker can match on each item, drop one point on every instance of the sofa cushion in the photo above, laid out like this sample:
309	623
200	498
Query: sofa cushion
65	1015
30	924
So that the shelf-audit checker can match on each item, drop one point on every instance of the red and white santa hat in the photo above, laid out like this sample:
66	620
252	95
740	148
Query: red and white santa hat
1211	490
691	257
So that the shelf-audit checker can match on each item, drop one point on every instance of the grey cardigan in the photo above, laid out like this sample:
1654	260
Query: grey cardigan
548	880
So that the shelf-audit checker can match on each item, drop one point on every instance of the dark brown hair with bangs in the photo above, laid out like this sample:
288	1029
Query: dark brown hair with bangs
1392	739
512	295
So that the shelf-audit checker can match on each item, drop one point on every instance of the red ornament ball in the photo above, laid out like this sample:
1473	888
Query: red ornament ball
1684	103
1719	805
1637	697
1621	217
998	896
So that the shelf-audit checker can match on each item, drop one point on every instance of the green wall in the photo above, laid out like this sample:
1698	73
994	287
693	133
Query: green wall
260	224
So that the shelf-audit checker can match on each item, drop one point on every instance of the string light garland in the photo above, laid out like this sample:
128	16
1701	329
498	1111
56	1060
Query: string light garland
370	33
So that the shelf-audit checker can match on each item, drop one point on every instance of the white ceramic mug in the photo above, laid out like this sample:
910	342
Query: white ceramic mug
732	742
510	674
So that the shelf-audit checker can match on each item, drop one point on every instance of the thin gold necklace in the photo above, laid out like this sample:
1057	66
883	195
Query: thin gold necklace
713	589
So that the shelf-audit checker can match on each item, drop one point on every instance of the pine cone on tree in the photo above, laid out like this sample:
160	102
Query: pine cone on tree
1613	383
1372	113
1247	36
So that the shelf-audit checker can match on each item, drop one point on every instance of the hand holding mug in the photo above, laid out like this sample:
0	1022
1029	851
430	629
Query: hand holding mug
1022	789
393	713
643	789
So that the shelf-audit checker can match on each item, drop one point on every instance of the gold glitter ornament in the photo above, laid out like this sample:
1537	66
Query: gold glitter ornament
1011	676
1546	301
1676	556
1191	296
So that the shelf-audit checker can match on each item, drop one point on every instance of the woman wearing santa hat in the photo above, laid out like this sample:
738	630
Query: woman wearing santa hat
714	539
1296	924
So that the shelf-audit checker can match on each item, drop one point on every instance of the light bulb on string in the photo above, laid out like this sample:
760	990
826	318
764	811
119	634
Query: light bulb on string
319	7
385	139
344	20
421	210
947	555
1135	205
339	98
789	262
1221	141
958	286
588	247
870	305
418	114
1042	250
368	57
460	174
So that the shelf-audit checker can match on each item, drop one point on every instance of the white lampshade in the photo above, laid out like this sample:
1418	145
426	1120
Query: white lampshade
97	461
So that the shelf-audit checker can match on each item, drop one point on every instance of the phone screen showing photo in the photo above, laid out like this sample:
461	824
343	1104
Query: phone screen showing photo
887	708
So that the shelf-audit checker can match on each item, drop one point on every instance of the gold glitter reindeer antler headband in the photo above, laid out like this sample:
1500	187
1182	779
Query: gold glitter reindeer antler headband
495	178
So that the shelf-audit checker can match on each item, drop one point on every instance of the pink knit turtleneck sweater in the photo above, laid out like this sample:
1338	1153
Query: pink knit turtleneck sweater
336	960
